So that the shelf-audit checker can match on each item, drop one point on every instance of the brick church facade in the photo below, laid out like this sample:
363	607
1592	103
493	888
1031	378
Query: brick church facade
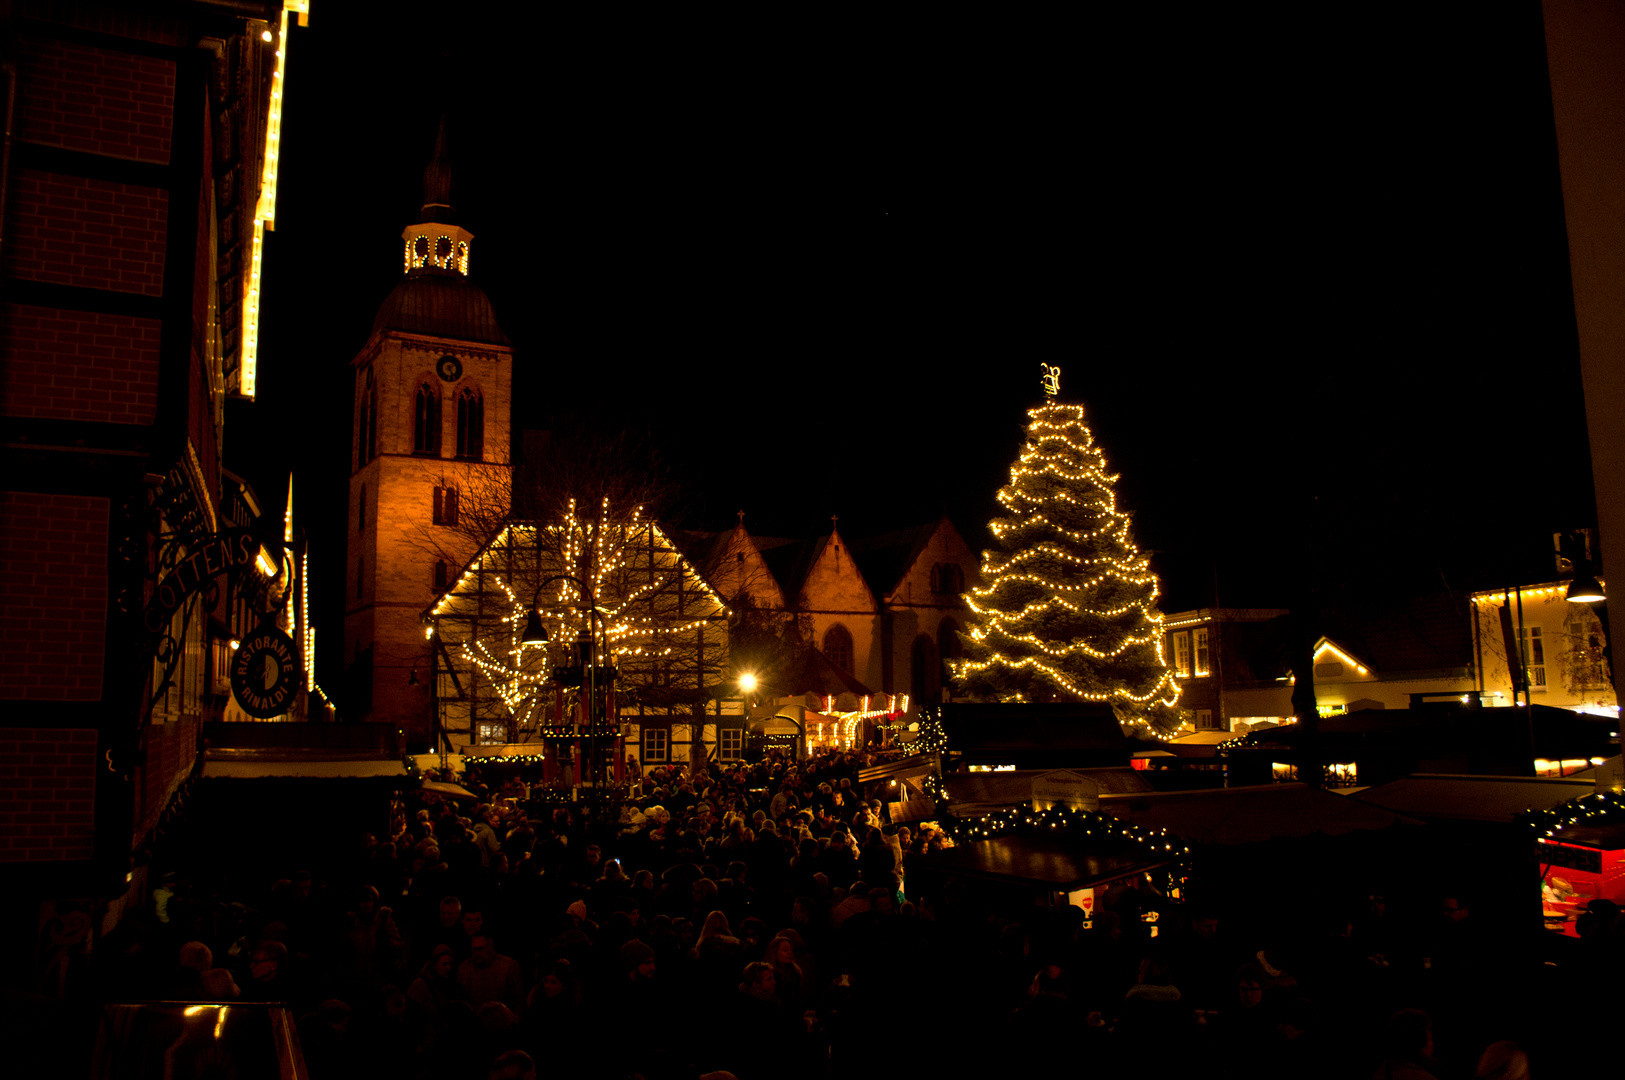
429	460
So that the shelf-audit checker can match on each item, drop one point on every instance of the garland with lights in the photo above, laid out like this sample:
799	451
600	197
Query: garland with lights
1078	826
1067	608
1598	808
660	624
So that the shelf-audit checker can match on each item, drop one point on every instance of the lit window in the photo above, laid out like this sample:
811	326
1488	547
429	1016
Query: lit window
1202	667
1204	720
1182	654
733	744
1533	649
490	732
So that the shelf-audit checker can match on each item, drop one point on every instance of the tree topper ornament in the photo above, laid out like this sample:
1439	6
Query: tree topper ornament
1052	378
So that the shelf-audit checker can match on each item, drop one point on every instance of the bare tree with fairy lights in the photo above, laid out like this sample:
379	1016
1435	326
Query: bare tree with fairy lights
1067	610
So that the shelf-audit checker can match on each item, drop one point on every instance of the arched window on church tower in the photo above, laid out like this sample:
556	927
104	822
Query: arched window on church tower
367	428
470	424
426	421
838	647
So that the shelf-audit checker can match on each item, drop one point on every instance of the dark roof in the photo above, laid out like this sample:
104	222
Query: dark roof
790	563
1014	787
991	728
440	303
1041	861
812	673
1472	798
884	559
1250	815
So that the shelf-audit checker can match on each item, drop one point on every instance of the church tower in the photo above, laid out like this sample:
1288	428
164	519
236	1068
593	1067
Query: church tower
429	468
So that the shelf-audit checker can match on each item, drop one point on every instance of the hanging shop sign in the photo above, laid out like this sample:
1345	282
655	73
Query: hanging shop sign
265	673
220	553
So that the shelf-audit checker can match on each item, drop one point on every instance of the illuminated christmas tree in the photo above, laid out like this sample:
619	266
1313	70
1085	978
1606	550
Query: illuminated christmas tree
1067	609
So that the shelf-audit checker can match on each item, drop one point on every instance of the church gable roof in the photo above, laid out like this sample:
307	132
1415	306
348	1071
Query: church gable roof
833	581
889	559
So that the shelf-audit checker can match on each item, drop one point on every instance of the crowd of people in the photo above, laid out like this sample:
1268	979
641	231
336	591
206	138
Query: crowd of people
759	921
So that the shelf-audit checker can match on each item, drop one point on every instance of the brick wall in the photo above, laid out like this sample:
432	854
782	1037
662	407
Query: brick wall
101	102
47	793
76	365
92	234
106	19
53	596
171	750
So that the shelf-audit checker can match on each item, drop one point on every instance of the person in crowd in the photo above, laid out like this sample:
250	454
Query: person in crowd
1502	1061
267	976
1408	1048
488	976
436	985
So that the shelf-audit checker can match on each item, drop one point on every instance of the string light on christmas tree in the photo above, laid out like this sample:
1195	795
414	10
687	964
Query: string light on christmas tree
1067	605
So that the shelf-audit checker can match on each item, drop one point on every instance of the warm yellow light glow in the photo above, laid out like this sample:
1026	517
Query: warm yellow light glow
235	644
747	682
265	210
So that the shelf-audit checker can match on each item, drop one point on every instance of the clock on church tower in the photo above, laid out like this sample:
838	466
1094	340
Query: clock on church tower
433	387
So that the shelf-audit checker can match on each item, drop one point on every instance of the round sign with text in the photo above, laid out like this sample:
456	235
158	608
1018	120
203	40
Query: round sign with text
265	673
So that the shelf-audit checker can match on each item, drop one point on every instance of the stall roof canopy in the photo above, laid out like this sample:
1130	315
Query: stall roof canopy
1069	735
1040	861
1250	815
454	791
1471	798
979	790
298	768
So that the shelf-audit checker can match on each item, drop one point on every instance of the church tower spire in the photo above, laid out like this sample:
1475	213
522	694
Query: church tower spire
436	242
429	460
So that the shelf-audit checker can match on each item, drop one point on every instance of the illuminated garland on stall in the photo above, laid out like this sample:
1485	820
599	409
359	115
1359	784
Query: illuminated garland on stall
1021	613
1598	808
1075	825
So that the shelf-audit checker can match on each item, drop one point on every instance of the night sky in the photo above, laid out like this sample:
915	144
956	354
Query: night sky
1310	278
